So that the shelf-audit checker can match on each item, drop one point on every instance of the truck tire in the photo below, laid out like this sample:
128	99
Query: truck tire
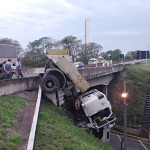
49	84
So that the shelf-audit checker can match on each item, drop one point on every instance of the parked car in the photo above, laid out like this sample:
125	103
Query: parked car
79	64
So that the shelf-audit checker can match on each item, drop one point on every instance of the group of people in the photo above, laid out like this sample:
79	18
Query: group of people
8	68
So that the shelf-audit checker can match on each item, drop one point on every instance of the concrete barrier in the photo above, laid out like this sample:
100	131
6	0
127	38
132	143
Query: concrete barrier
32	70
18	85
92	72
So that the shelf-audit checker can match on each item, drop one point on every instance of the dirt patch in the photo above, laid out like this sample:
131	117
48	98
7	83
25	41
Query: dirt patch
23	121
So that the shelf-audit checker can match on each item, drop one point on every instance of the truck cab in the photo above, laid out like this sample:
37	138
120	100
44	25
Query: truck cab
101	60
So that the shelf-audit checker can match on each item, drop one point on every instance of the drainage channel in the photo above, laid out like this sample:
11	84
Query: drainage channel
31	139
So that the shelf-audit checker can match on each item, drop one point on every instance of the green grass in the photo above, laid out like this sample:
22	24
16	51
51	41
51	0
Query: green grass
137	85
56	132
9	108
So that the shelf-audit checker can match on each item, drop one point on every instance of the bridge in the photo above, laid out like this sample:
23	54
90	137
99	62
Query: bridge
94	75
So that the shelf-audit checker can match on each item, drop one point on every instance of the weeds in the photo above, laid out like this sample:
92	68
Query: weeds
9	108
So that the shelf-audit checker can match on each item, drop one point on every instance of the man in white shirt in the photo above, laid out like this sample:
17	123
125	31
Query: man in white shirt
18	67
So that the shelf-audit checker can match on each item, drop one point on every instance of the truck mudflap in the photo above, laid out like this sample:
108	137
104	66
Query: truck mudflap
107	122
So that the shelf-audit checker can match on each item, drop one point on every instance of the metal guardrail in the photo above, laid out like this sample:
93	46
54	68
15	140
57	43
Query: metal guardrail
32	135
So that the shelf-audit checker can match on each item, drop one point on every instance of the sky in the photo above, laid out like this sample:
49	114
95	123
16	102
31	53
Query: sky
114	24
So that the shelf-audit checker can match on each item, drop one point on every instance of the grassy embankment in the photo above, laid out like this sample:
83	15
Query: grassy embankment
138	78
9	108
56	132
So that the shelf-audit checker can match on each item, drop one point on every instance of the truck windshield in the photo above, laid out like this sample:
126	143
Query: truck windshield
100	58
92	60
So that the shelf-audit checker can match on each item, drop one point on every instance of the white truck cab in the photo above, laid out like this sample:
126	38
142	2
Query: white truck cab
97	108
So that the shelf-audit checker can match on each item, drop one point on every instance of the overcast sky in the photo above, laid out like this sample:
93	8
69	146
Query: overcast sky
115	24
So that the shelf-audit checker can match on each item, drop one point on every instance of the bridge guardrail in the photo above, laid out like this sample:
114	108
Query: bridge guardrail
91	72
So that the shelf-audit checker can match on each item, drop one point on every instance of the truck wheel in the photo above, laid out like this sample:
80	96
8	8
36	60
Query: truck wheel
49	84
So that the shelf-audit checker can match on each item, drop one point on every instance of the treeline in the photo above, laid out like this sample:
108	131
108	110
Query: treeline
34	56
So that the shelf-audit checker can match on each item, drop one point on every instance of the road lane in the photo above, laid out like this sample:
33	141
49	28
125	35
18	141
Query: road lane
132	144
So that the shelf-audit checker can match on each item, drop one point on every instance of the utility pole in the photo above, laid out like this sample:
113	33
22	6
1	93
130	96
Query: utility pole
85	35
124	96
146	54
125	117
140	57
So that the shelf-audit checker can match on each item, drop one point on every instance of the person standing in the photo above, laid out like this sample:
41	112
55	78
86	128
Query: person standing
7	69
110	62
4	70
18	67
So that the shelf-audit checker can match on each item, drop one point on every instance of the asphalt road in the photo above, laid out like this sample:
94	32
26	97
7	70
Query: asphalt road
132	144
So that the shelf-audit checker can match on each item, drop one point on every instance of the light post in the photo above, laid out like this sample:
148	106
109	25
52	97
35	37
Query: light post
124	96
140	57
146	58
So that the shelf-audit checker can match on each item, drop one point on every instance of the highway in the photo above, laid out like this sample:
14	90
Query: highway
132	144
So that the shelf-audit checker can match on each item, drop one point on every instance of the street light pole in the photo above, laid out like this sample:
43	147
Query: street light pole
124	95
140	57
146	57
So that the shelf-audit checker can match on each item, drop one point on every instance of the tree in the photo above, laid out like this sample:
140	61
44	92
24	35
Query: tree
8	41
132	55
92	50
108	54
112	54
72	44
36	50
44	43
34	59
128	57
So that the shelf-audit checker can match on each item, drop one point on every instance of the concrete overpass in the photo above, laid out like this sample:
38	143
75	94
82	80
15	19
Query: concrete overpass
94	75
100	75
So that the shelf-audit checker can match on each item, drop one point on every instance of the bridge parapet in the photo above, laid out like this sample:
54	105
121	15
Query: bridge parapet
91	72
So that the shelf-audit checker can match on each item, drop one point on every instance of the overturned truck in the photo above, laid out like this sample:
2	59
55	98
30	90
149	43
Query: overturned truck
64	85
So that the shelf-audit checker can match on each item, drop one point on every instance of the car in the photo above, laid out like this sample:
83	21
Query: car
79	64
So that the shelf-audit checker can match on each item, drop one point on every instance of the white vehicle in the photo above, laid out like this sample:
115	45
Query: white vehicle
96	107
98	111
92	61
